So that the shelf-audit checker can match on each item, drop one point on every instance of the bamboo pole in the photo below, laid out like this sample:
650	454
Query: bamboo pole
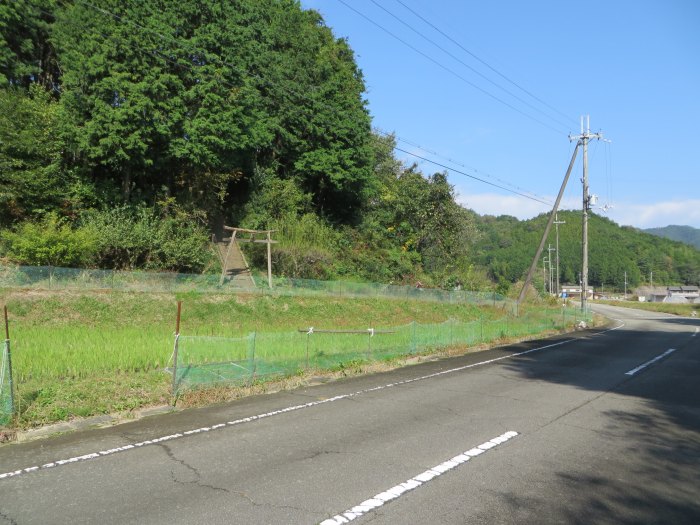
176	346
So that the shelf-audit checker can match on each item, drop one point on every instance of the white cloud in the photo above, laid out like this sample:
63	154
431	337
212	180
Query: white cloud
682	212
520	207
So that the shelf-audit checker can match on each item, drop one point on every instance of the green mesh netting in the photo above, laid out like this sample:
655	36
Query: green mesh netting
6	407
54	278
204	361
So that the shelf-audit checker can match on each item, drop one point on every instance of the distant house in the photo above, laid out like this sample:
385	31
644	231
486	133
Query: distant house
655	294
670	294
682	294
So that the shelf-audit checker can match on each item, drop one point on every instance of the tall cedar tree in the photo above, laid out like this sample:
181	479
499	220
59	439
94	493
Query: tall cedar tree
188	98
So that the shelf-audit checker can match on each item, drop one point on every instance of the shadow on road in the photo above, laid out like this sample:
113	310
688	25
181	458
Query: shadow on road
658	445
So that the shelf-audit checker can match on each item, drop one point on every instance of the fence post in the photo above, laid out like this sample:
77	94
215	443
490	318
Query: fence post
9	364
481	326
308	336
176	346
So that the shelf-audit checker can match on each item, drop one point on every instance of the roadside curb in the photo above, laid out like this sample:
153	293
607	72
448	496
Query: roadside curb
106	420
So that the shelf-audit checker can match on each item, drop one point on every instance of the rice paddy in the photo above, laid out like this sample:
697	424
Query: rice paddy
81	353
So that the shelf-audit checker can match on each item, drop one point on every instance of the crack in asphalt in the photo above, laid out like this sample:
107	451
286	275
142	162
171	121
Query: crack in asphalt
318	453
198	477
8	519
256	504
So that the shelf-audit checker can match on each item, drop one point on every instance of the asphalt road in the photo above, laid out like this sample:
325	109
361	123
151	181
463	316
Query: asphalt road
574	429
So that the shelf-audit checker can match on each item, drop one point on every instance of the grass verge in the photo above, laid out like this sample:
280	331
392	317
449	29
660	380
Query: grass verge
684	310
79	354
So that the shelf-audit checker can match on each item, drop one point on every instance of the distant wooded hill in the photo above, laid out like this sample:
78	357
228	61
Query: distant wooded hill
686	234
507	246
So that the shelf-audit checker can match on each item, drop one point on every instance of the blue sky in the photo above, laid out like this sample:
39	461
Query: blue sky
633	66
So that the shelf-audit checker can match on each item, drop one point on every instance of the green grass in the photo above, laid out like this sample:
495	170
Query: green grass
210	360
84	353
684	310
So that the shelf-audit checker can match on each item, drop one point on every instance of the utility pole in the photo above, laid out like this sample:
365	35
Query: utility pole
557	222
625	285
583	139
551	273
544	274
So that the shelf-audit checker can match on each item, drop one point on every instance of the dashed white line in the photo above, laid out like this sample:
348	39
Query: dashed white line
94	455
415	482
651	361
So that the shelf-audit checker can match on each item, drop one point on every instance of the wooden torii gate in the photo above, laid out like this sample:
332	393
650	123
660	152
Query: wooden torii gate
251	238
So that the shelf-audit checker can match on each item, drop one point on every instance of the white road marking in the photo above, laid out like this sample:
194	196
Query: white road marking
652	361
696	331
622	323
415	482
250	419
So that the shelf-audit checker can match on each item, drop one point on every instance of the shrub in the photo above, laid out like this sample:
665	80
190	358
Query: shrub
50	242
138	237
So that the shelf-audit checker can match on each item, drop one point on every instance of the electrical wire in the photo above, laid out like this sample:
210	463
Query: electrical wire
472	176
474	70
451	71
473	55
455	162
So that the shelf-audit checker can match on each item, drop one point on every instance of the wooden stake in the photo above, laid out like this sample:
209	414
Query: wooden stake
175	348
7	326
177	322
269	261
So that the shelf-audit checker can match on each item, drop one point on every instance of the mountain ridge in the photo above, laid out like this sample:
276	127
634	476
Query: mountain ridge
685	234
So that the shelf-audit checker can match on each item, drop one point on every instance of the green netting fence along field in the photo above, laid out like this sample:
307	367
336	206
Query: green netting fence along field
55	278
6	401
205	361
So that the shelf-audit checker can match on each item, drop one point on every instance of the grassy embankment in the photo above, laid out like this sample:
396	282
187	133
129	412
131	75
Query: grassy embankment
684	310
79	354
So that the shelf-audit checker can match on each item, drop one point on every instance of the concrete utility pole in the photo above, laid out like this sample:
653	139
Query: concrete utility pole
625	285
588	200
557	222
551	273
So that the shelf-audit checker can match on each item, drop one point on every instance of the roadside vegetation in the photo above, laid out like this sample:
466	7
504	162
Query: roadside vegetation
81	354
683	310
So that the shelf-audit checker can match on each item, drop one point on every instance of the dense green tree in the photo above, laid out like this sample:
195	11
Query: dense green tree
26	54
33	177
190	97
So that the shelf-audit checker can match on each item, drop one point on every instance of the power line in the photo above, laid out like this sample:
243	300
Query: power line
472	176
452	72
455	42
456	162
474	70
